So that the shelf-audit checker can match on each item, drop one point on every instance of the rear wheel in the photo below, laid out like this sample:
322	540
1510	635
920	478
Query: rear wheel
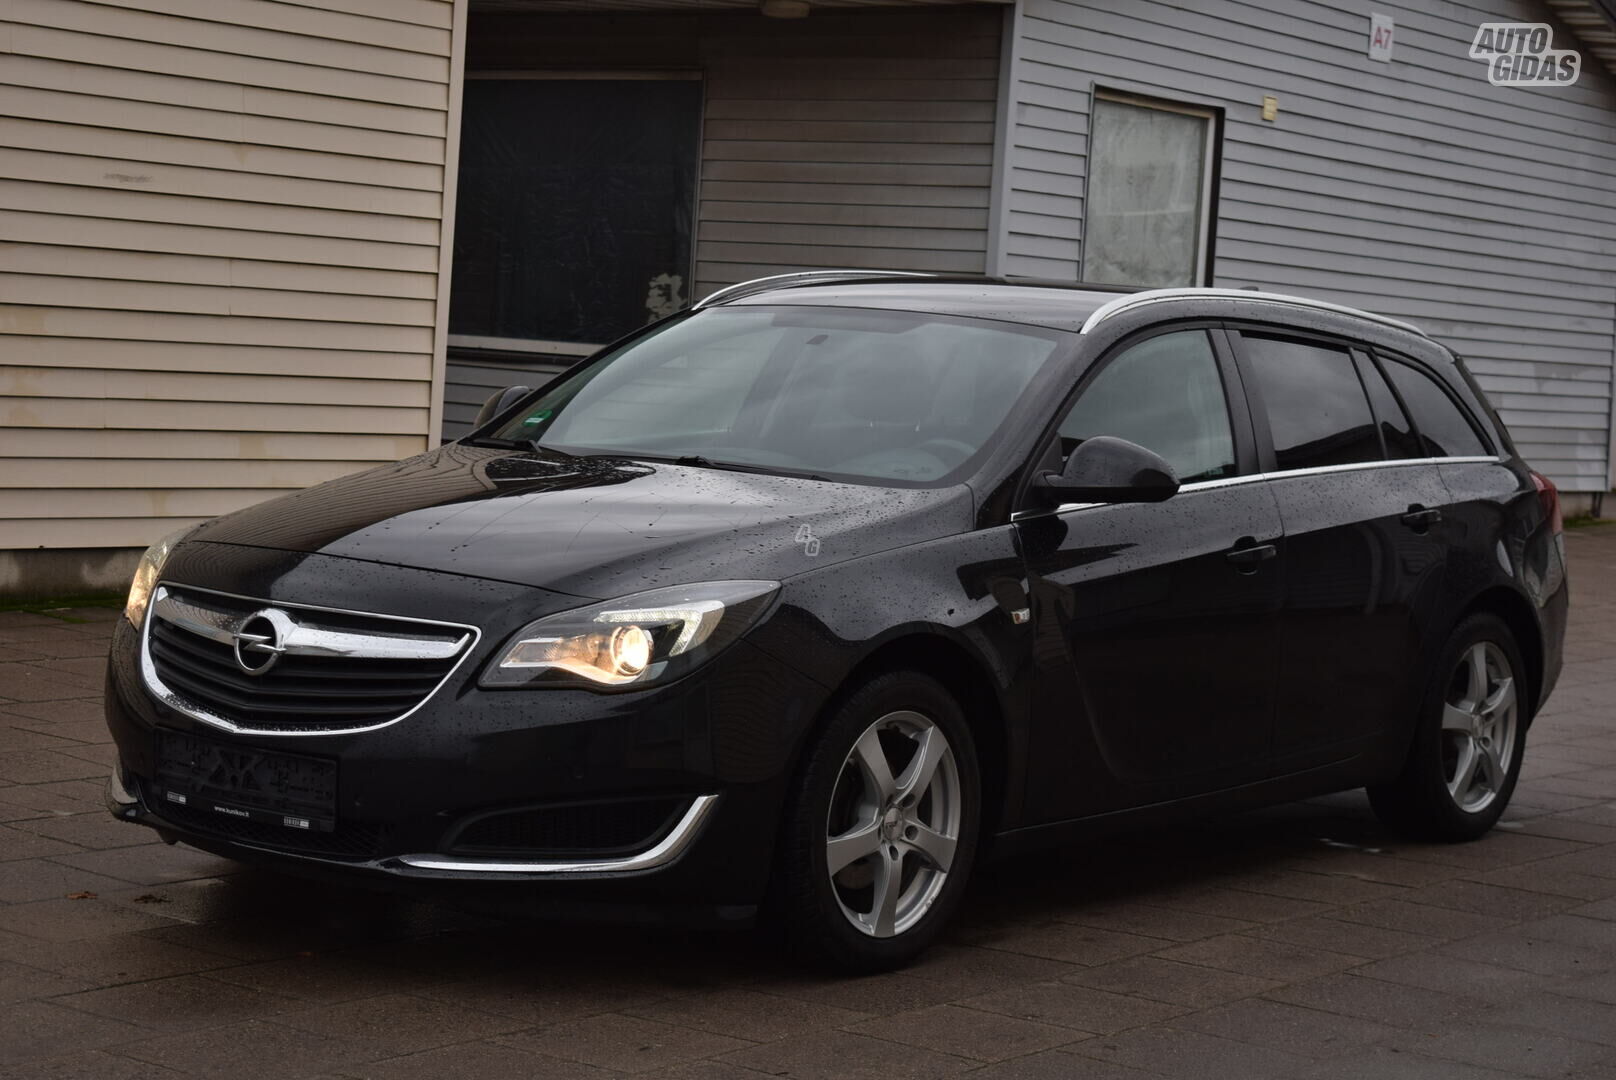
1466	755
881	829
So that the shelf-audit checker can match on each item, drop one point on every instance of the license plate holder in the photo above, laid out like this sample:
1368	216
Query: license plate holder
297	792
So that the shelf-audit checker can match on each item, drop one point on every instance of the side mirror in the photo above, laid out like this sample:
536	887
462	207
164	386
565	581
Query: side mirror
1105	469
498	403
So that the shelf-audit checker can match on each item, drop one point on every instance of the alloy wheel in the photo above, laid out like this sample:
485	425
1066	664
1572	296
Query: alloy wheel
894	823
1479	715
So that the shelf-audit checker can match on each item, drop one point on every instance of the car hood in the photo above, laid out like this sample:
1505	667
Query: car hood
591	527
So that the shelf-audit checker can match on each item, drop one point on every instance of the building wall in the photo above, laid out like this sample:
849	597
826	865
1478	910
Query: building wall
1413	188
221	274
861	139
847	139
472	382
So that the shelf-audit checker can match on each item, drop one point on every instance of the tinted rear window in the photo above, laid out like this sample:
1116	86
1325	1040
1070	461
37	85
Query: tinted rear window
1394	425
1316	408
1443	428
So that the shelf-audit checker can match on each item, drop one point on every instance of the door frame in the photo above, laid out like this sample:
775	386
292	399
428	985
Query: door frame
1241	414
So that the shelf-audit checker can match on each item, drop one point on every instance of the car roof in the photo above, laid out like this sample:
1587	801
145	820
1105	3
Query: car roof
1056	305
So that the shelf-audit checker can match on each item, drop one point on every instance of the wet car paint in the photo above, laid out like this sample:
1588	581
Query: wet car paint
1046	625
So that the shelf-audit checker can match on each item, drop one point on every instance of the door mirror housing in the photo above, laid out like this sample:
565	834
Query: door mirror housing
499	402
1105	469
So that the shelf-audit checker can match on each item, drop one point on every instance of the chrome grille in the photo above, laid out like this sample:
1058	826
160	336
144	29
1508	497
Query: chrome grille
260	666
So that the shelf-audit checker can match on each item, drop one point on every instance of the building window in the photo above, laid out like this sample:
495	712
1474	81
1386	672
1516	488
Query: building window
574	220
1149	214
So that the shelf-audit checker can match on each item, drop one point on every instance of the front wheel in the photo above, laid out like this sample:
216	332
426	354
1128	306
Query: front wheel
881	828
1466	754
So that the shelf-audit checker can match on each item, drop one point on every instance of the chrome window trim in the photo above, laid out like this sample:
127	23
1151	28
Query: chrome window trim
1279	474
663	852
154	685
1157	296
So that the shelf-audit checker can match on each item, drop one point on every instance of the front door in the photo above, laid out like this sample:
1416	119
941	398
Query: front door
1156	624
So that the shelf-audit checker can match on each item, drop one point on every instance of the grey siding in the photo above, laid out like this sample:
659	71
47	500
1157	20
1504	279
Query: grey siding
470	383
861	139
1485	214
849	139
856	141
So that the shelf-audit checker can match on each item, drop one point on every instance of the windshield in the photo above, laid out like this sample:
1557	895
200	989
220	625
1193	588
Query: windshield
877	396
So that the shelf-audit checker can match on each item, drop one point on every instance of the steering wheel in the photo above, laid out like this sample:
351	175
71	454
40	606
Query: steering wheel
957	451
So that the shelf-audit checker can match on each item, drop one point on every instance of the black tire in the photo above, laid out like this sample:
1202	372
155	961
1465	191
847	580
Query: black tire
807	906
1418	802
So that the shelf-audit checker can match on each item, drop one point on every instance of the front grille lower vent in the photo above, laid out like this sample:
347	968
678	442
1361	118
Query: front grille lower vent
575	830
316	671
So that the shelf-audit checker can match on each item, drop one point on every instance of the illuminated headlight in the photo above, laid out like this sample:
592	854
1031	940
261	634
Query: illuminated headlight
649	637
151	564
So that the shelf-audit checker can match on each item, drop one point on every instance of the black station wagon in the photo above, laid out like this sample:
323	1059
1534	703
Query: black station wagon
802	601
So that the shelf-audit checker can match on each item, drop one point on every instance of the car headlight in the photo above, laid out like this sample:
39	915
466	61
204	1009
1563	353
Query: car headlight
649	637
146	571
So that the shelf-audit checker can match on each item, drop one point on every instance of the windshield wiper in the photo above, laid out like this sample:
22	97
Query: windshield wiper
697	461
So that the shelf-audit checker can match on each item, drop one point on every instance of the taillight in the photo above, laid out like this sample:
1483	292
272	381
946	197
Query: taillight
1549	496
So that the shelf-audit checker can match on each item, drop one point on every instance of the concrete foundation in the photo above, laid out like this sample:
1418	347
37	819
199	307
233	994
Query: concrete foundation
43	573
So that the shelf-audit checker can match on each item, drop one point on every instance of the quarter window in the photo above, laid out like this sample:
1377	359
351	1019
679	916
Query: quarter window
1443	428
1166	395
1316	408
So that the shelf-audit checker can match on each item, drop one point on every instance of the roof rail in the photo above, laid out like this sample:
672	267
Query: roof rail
1156	296
805	277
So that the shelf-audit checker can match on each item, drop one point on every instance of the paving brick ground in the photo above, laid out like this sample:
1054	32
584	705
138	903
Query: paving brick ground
1298	942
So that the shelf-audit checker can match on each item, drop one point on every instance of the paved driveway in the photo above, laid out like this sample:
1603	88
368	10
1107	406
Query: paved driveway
1298	942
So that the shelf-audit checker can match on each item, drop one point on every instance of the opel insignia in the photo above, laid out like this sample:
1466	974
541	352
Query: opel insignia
803	601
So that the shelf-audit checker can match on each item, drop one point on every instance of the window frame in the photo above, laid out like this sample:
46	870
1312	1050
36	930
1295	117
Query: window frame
1382	356
1266	454
1206	231
1363	362
1046	451
520	352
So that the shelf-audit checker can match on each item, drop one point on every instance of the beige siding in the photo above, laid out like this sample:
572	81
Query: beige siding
222	274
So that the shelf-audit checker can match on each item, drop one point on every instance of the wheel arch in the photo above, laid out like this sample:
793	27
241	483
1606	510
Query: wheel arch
1517	613
967	678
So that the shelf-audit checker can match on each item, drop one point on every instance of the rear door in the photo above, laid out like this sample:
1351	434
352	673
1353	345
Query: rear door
1157	623
1361	507
1480	485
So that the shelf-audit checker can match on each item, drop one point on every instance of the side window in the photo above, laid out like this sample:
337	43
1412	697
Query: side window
1317	412
1443	428
1166	395
1394	425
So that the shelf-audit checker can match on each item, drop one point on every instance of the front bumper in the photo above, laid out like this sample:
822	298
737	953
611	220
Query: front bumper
718	745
